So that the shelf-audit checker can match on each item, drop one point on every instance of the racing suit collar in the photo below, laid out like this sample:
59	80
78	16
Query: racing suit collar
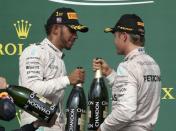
134	53
53	48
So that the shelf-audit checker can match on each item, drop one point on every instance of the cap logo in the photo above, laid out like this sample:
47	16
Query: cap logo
3	94
72	15
77	27
125	28
108	30
59	20
140	24
59	14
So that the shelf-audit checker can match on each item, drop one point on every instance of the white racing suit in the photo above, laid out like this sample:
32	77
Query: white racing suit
43	71
136	88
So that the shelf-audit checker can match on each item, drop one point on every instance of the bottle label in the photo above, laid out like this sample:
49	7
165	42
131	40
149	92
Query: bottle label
98	74
39	107
97	112
75	119
105	112
81	122
44	100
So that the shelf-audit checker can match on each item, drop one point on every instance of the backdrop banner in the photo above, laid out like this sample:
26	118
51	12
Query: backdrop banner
22	23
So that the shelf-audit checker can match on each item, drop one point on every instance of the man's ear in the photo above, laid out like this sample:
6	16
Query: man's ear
55	29
125	36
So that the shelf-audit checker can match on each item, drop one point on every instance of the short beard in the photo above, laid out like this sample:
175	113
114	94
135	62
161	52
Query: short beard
62	40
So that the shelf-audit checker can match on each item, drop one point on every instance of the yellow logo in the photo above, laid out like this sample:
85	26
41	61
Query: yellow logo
72	15
59	14
140	24
125	28
77	27
107	30
22	28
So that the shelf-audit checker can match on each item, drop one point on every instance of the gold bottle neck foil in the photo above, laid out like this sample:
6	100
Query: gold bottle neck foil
98	74
79	85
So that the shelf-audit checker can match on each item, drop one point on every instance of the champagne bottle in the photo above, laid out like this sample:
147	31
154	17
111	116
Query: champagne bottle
31	102
76	109
97	102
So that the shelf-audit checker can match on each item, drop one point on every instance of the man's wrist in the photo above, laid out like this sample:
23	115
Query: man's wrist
108	72
35	124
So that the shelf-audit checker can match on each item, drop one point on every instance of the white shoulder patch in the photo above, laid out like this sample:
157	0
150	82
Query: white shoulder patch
33	51
121	71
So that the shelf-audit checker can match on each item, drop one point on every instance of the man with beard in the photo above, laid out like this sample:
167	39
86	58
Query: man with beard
42	68
136	85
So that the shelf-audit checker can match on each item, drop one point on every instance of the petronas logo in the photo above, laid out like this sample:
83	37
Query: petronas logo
104	2
22	28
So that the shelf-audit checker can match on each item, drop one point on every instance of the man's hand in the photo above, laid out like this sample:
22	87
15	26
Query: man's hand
3	83
102	65
99	129
77	76
39	123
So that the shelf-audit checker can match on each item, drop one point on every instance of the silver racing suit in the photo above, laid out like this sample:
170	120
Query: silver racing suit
42	70
136	88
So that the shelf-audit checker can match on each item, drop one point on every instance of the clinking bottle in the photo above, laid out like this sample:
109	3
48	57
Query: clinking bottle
31	102
76	109
97	102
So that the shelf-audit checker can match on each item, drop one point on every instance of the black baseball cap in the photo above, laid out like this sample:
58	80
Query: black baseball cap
68	17
130	23
7	109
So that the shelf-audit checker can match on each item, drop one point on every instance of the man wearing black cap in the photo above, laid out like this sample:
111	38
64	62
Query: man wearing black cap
42	68
136	85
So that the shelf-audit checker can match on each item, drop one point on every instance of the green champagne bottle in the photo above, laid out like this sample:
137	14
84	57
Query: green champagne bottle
31	102
97	102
